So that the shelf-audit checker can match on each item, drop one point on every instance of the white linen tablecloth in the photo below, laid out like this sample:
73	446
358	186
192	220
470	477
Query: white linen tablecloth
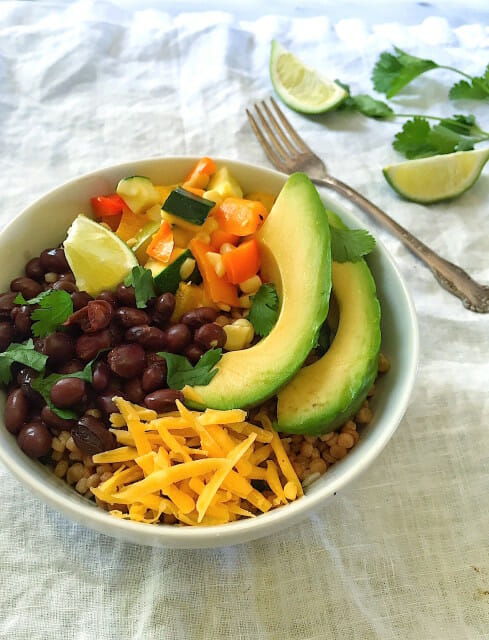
404	552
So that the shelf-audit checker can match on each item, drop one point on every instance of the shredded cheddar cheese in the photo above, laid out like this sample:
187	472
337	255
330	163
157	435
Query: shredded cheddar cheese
195	466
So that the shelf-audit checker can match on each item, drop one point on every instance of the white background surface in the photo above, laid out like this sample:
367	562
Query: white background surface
404	553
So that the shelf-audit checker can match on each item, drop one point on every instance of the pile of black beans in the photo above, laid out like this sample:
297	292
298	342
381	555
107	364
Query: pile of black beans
124	339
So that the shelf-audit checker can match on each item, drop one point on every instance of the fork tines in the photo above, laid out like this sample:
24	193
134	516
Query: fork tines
281	142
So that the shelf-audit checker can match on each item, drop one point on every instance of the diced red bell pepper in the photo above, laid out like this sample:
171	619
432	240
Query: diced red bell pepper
105	206
161	246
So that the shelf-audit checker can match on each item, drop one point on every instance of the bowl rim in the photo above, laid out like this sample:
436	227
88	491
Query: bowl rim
239	530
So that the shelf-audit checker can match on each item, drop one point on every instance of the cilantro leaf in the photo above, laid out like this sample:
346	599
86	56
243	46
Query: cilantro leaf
54	309
21	300
44	385
349	245
181	372
418	139
393	72
264	309
142	281
476	89
24	354
367	105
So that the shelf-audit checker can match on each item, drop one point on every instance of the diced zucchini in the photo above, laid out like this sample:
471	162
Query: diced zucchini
155	266
170	277
138	193
188	206
143	238
225	184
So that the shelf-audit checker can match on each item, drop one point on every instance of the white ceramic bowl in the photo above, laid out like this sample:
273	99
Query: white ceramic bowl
44	224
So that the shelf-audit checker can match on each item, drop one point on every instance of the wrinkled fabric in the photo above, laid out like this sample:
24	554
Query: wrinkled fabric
403	552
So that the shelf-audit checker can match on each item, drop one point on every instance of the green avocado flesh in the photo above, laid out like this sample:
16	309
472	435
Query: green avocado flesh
296	256
324	395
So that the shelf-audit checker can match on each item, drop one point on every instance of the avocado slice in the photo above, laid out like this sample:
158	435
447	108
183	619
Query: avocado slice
296	256
325	394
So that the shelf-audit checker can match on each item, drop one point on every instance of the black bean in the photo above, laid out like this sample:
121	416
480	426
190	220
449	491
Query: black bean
154	377
34	270
127	360
125	295
28	287
116	332
94	317
22	321
105	403
87	346
177	337
65	285
163	400
80	299
109	297
164	307
7	304
72	366
24	378
6	335
149	337
54	421
101	376
130	317
60	347
196	318
67	392
91	436
210	336
54	261
35	440
68	277
16	411
193	352
133	390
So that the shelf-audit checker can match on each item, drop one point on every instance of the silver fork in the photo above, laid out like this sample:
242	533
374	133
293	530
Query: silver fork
288	152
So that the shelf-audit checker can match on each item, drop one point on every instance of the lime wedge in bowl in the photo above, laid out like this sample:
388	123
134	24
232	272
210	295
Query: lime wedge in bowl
98	258
301	88
437	178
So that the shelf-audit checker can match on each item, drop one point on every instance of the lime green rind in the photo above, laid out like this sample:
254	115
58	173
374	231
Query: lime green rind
296	105
386	171
241	382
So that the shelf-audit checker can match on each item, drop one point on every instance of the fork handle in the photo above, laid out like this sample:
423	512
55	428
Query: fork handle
451	277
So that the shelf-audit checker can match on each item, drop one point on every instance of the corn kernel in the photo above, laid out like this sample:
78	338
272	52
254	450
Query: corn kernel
203	237
210	225
238	335
245	302
251	285
213	195
216	260
187	268
226	247
223	307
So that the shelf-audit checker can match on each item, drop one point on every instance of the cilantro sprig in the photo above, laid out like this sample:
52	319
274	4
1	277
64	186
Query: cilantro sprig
43	385
54	308
142	281
350	245
264	309
180	371
393	71
23	353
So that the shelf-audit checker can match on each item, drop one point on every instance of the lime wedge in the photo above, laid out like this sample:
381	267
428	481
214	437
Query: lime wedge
301	88
436	178
98	258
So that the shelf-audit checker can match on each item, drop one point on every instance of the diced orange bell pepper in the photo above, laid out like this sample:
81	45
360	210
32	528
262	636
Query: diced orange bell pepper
218	289
130	224
161	246
219	237
239	216
243	262
200	175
